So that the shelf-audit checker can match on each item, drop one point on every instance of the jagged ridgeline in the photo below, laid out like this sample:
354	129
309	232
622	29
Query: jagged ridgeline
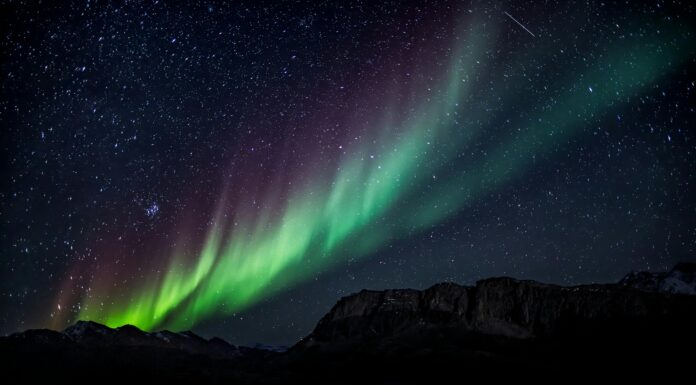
500	327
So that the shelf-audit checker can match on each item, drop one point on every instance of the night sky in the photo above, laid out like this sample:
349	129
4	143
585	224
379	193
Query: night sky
236	168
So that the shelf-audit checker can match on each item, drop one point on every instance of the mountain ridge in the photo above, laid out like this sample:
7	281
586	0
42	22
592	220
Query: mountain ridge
405	336
500	306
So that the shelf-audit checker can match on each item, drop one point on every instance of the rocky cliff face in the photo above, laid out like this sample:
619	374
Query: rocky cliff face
680	280
503	307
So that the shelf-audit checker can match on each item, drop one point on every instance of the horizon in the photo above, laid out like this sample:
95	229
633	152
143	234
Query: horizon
265	345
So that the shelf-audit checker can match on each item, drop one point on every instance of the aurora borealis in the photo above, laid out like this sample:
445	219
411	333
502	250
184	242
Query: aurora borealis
217	164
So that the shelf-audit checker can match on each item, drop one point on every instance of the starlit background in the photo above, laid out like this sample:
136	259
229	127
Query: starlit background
235	168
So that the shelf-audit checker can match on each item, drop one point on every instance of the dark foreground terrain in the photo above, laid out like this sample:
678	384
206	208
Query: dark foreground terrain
642	327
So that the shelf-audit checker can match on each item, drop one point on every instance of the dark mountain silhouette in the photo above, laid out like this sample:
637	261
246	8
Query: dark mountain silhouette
499	328
680	280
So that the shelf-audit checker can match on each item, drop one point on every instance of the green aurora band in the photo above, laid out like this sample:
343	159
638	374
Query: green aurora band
368	203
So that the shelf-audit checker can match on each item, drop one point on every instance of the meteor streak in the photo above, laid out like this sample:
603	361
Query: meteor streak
520	24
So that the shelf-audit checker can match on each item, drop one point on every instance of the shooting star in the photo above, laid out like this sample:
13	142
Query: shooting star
520	24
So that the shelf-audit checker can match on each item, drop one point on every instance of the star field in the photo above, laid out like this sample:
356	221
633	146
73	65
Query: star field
235	168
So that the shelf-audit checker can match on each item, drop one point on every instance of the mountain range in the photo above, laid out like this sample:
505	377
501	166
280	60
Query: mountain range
498	328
